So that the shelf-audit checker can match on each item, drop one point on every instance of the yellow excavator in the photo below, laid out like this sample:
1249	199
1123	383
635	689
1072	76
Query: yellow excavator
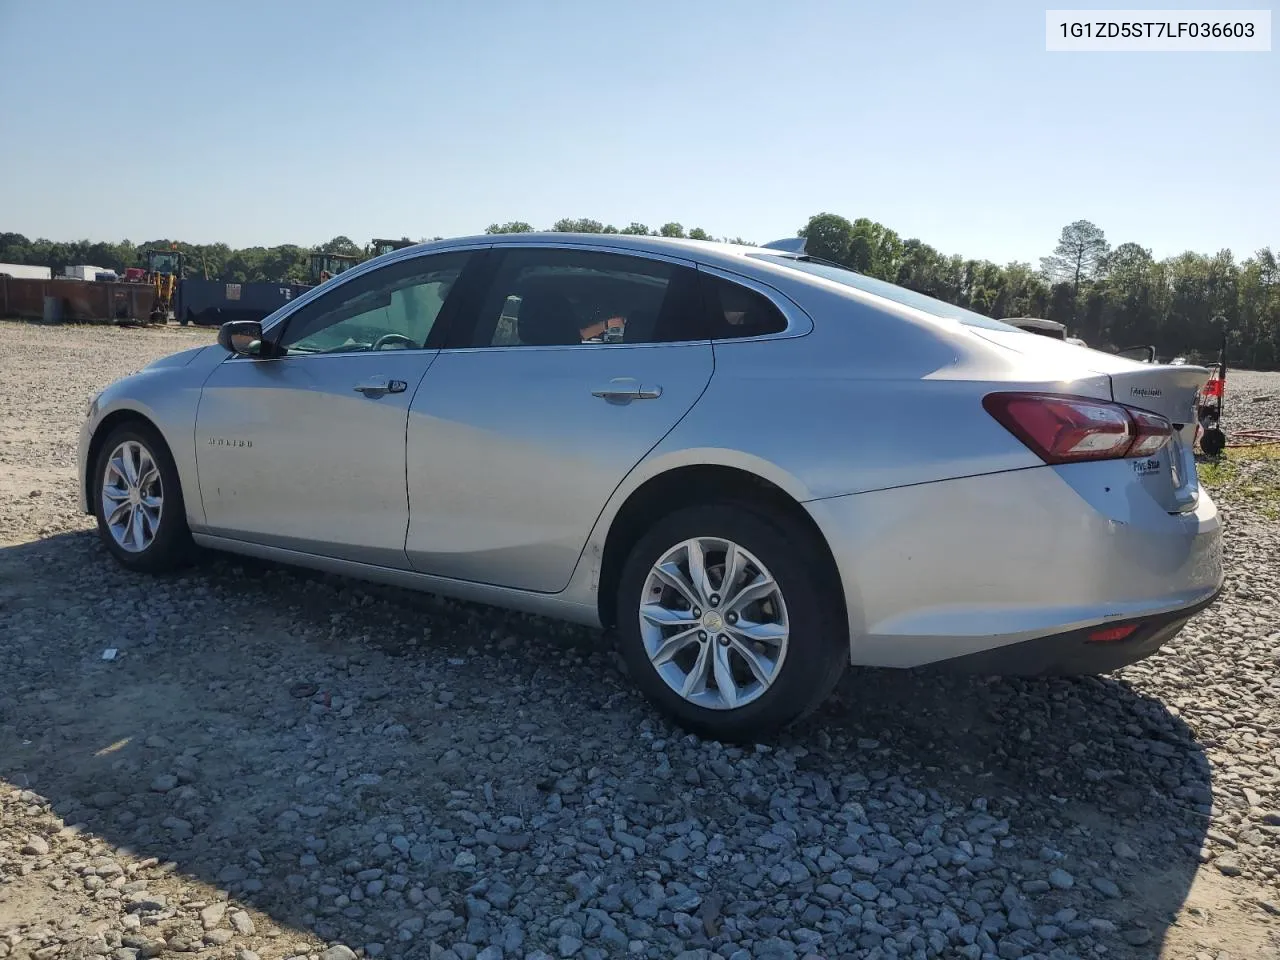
379	247
164	271
326	265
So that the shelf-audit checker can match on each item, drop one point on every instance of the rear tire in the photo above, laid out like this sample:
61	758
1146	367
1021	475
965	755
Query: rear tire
137	499
751	661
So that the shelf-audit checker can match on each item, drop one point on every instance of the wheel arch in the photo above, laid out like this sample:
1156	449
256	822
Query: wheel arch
701	483
114	419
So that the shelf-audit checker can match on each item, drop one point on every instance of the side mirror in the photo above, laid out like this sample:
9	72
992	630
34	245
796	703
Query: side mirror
241	337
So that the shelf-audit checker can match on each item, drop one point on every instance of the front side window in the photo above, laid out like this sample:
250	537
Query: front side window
392	308
556	297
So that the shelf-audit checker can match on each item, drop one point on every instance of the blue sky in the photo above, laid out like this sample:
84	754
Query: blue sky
274	121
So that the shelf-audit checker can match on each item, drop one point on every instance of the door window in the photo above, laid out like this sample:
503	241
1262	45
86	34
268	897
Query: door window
737	311
557	297
392	308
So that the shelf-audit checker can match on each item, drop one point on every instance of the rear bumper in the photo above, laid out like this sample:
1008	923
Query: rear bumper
941	571
1073	654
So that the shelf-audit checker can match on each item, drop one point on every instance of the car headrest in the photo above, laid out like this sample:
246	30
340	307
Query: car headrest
547	319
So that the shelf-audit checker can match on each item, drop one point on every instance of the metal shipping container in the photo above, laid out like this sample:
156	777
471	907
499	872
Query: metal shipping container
214	302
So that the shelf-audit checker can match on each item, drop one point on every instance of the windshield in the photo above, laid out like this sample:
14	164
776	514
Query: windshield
890	291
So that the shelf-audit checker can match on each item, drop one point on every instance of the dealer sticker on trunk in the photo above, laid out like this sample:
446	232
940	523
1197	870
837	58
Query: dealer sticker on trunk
1146	466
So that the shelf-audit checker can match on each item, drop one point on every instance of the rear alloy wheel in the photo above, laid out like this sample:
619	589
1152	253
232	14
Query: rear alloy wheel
138	501
728	624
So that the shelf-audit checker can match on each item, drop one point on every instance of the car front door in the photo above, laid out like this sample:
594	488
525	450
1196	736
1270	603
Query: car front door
578	362
304	447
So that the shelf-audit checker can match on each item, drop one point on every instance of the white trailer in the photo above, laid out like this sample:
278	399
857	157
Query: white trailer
82	272
24	271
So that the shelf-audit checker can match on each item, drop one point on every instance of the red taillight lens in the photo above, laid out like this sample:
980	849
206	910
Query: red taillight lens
1065	429
1153	432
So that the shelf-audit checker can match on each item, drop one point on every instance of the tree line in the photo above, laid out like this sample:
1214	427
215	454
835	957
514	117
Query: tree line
1110	297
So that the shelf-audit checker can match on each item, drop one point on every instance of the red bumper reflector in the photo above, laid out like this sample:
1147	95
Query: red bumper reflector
1112	634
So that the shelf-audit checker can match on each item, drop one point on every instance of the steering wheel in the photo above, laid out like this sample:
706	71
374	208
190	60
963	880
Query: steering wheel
398	338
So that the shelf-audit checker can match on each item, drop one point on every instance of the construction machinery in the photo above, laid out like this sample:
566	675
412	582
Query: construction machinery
379	247
164	272
326	265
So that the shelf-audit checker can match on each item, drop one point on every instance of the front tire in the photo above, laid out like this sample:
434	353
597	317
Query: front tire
730	622
138	501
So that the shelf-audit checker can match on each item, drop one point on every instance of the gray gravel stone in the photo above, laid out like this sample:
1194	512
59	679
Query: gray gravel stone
1106	887
1229	864
1060	879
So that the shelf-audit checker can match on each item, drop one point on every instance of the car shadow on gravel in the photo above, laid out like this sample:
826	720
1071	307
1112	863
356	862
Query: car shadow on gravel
371	766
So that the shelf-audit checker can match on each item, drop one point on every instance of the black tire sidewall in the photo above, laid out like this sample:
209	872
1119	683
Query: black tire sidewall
171	547
1213	441
817	646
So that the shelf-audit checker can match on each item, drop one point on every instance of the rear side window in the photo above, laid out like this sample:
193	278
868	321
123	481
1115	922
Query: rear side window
545	297
735	311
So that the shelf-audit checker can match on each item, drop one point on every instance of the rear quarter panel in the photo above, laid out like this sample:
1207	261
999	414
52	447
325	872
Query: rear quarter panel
870	399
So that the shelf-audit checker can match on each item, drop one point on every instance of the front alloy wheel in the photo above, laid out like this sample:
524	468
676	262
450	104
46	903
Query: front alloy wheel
138	500
132	496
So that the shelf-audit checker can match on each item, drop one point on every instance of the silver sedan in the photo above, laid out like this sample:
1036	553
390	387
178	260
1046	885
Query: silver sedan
755	466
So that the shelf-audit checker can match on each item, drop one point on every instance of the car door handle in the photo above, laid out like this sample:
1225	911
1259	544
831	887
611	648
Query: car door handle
627	388
380	386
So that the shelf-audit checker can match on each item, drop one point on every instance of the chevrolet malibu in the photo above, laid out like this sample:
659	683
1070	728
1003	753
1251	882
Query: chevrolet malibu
756	466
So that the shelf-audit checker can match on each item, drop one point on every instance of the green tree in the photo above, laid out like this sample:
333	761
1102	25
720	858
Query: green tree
671	229
697	233
578	226
828	236
874	249
343	246
511	226
1080	255
635	229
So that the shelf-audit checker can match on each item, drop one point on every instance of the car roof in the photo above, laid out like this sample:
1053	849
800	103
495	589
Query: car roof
764	264
711	252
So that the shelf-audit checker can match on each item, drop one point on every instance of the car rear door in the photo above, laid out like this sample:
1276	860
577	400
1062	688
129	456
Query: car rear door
577	363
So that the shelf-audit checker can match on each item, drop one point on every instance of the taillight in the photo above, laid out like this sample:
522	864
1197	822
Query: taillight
1066	429
1152	432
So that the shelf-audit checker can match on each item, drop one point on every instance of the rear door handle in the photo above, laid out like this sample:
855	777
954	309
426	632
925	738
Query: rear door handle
380	386
622	389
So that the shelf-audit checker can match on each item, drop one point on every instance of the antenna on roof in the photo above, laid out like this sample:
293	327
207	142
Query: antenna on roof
787	245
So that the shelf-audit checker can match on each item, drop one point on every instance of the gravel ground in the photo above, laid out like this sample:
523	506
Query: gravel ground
278	764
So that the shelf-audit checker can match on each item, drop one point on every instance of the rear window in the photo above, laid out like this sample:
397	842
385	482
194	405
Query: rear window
890	291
